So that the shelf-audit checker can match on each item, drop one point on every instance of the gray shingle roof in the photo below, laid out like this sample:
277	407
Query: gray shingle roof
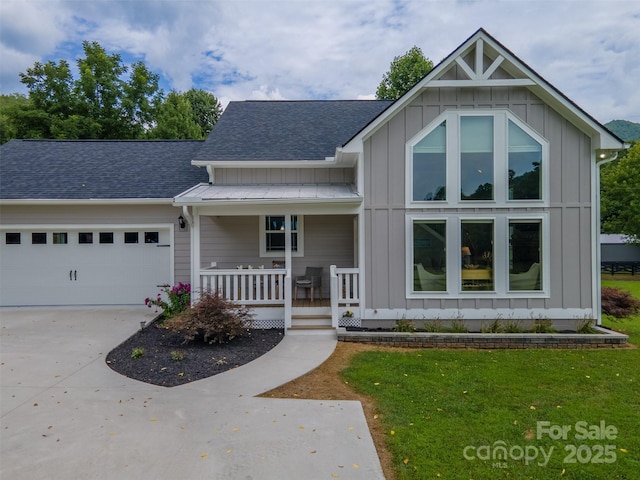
106	169
287	130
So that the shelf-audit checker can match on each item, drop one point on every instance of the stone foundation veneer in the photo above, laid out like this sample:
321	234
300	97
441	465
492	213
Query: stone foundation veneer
488	341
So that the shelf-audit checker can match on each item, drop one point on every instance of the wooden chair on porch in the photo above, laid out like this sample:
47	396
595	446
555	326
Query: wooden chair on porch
311	280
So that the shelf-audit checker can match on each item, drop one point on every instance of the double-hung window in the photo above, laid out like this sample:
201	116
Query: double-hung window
486	174
272	235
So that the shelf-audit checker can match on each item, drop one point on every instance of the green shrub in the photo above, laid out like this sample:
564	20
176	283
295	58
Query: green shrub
458	326
494	327
433	326
585	325
404	325
177	355
213	319
619	303
543	325
137	352
512	326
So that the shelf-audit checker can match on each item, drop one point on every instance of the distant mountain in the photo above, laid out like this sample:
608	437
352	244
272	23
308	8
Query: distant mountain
628	131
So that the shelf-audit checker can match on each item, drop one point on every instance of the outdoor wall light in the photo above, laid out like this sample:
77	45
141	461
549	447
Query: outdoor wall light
181	222
143	323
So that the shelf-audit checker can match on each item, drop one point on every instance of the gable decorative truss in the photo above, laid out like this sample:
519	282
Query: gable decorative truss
477	66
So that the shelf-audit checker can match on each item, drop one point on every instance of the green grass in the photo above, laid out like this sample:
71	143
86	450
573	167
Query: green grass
438	402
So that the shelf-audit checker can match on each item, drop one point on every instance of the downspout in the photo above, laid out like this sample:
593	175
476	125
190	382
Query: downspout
601	159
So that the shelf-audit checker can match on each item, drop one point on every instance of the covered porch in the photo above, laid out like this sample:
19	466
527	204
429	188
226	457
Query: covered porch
253	243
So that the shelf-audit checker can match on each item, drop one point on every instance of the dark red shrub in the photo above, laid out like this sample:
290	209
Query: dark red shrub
213	319
619	303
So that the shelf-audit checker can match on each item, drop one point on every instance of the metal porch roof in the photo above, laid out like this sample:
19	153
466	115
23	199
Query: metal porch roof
303	193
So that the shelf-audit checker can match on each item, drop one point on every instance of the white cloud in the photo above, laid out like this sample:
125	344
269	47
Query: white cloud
298	49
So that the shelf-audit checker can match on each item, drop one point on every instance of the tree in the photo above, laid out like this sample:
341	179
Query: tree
191	114
175	119
404	72
10	105
620	195
101	103
206	109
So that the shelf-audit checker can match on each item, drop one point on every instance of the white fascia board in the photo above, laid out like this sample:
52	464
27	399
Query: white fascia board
89	201
326	163
200	202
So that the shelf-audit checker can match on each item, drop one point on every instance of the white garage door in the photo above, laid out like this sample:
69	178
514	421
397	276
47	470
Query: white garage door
83	266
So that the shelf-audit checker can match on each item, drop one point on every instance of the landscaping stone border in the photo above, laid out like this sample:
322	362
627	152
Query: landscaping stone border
489	341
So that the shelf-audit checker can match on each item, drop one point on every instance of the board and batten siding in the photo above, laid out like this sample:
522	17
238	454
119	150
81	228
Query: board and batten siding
106	215
569	201
268	176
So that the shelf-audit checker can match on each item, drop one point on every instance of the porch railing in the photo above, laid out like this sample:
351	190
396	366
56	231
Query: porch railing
345	293
249	287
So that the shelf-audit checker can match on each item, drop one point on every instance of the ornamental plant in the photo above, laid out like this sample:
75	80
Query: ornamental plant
179	299
213	319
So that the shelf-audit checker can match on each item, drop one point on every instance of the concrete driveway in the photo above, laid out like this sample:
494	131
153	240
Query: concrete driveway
65	414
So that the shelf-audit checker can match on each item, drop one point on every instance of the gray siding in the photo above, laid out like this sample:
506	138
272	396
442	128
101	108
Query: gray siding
232	241
569	200
106	215
251	176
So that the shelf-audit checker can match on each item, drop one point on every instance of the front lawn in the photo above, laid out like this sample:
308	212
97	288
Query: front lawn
501	414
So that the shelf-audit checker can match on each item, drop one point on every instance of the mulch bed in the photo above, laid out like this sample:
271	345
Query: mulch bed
159	366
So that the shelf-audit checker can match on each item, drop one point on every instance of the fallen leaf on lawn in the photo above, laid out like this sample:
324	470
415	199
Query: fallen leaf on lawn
392	432
204	455
405	461
623	450
532	407
376	383
375	417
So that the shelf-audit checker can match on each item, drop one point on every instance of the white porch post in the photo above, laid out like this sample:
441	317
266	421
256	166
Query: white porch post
334	292
287	279
195	256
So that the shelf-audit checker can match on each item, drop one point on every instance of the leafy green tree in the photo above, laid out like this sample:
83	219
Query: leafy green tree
175	119
405	71
101	103
620	195
9	106
205	107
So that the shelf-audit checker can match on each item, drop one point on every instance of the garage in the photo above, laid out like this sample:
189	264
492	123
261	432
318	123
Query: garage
84	265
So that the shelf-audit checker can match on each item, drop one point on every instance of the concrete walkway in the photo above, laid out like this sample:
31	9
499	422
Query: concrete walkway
65	414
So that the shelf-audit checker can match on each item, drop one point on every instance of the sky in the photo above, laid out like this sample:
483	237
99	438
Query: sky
330	49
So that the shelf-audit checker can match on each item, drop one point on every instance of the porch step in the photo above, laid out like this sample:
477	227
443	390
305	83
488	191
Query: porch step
312	330
311	325
312	321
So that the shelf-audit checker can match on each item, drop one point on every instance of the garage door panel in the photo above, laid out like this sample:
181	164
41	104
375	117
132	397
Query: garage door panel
84	274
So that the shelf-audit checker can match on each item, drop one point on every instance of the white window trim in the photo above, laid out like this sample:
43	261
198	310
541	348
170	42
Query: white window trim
500	254
501	161
263	238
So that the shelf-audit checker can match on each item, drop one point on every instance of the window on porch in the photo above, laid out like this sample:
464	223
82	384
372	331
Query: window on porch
272	235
